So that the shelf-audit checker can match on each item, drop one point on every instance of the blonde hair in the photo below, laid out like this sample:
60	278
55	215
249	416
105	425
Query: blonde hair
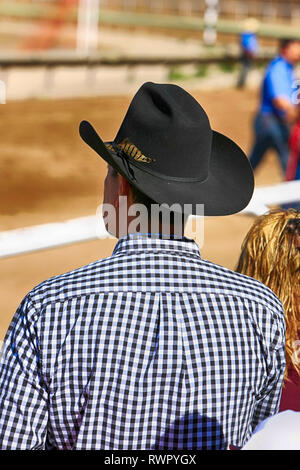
270	254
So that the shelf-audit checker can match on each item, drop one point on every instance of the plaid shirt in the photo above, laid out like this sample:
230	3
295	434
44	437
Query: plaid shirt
151	348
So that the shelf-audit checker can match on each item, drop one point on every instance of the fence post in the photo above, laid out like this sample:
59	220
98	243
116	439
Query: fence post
87	26
2	92
210	21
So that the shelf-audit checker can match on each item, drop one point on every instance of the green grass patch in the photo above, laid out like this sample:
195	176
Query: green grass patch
201	71
175	74
227	67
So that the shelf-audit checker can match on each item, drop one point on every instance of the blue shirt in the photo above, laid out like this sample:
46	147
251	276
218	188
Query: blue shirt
249	42
279	81
151	348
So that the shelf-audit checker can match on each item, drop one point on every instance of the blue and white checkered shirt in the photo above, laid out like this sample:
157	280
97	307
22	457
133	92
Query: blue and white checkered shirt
151	348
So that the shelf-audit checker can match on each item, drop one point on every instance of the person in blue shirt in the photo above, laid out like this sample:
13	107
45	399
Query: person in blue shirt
278	109
249	49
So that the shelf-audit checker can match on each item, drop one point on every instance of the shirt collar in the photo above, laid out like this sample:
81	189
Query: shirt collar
153	241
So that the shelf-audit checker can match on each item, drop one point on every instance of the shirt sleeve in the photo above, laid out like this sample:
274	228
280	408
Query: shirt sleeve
249	43
278	84
268	400
23	399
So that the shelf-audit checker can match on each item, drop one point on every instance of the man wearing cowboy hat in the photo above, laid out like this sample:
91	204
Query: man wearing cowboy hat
153	347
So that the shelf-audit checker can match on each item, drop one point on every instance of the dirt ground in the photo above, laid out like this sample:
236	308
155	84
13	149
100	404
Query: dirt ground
48	174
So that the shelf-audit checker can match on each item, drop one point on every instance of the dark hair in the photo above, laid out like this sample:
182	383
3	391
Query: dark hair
285	42
140	198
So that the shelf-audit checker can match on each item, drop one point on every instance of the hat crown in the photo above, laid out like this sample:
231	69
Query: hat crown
169	130
166	149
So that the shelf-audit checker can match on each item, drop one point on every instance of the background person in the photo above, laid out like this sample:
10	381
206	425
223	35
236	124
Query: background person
249	49
271	254
277	111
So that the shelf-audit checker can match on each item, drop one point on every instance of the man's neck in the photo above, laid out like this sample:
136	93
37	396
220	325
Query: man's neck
172	231
291	63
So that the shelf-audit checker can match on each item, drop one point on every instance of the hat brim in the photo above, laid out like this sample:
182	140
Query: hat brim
227	190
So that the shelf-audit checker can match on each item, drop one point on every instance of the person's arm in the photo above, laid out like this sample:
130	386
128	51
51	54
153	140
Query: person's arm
23	398
268	400
291	111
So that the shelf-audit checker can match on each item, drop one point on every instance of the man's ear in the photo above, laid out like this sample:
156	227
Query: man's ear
124	186
124	189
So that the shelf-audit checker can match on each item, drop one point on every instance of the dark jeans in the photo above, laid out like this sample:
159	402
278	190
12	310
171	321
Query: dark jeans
297	177
246	66
270	132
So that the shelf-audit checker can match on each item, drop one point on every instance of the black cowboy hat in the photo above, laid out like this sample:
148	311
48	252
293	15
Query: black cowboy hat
166	148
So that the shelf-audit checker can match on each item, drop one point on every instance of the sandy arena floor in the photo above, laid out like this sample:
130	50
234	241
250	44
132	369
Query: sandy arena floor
48	174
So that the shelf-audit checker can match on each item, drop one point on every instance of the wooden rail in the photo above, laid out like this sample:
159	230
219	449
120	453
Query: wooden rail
50	60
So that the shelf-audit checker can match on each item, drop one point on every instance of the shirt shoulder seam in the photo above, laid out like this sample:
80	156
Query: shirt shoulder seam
241	296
